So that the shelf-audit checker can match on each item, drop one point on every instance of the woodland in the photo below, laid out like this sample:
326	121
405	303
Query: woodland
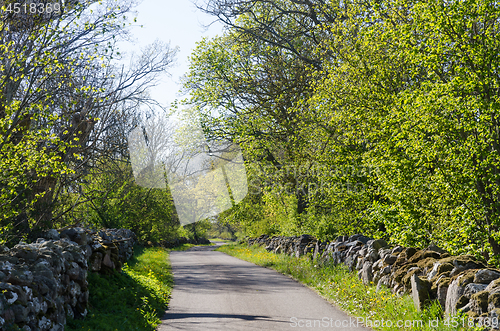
378	117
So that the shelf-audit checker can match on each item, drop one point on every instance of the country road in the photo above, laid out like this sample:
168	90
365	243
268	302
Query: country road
214	291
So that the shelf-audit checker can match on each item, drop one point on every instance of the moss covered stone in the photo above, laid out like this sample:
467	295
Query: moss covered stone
480	301
409	252
400	272
422	255
462	302
426	263
494	301
406	279
472	314
466	277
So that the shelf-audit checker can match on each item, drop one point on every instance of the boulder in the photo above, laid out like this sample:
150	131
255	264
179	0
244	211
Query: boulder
390	259
493	301
434	248
377	244
455	291
420	291
366	273
479	302
486	276
472	289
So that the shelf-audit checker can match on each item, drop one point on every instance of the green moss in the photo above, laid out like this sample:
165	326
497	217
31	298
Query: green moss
462	301
406	279
494	284
472	314
494	300
426	263
423	255
481	299
466	277
402	271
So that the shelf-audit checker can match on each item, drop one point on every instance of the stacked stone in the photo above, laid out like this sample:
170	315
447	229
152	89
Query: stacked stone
459	283
110	249
44	282
293	246
41	283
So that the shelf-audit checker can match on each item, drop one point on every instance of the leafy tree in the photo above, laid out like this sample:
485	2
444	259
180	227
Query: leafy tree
59	93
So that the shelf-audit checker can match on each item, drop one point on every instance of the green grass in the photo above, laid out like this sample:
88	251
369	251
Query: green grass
132	300
227	241
345	290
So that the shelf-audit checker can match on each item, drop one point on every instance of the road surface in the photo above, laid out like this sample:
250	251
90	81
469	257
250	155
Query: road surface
214	291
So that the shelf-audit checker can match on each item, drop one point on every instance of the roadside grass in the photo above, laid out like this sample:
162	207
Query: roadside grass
132	300
379	310
227	241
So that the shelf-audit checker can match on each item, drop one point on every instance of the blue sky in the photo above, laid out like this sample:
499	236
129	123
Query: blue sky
177	22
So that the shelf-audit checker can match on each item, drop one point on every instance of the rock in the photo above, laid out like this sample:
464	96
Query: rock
373	255
438	269
397	249
434	248
420	291
406	280
378	265
441	295
494	286
493	301
423	255
409	252
455	291
390	259
486	276
479	302
377	244
473	288
494	315
383	252
20	313
456	270
340	246
384	281
350	263
52	234
106	261
39	281
376	277
341	239
359	263
20	276
366	273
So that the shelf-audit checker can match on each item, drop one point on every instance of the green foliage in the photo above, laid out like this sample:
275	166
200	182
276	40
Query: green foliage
149	212
380	118
135	299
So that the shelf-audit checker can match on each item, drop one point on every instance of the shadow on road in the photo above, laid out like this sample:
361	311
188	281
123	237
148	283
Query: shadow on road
208	315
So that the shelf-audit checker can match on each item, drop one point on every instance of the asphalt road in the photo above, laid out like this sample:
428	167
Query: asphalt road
214	291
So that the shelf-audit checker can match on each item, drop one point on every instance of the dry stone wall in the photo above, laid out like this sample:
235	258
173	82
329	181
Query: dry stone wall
459	283
44	282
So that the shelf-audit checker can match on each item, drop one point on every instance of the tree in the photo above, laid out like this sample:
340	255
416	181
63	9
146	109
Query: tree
61	92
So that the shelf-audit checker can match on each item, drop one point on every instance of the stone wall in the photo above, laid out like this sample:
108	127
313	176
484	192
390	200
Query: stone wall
459	283
44	282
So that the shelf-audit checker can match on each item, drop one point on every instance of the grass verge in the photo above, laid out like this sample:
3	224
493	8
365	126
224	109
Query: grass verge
132	300
380	310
